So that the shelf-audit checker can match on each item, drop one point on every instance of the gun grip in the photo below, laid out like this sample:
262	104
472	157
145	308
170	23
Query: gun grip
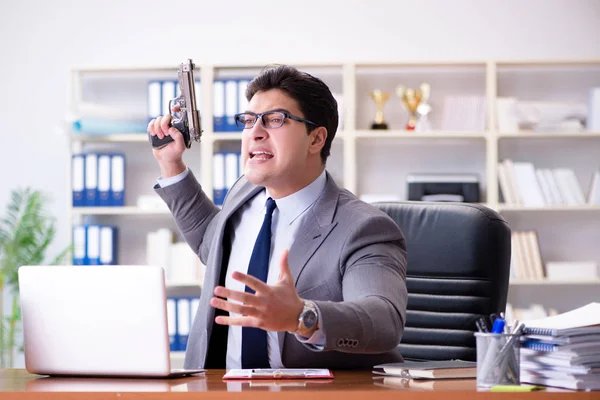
159	143
181	127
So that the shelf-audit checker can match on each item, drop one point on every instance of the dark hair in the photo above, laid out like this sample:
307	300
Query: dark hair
312	94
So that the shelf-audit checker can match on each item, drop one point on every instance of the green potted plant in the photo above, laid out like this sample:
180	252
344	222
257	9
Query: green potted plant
26	231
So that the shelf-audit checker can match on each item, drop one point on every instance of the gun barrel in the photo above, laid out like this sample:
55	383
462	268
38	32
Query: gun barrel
188	90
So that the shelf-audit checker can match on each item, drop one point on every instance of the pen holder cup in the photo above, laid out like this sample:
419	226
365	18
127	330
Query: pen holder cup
497	359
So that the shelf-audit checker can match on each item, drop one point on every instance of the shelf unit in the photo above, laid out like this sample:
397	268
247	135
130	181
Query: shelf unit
361	157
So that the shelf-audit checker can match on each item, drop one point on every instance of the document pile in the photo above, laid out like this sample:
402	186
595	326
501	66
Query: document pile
563	350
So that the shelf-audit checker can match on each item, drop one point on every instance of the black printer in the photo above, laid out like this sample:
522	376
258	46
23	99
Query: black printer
443	187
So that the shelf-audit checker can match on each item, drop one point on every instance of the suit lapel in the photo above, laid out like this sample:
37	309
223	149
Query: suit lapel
315	228
240	197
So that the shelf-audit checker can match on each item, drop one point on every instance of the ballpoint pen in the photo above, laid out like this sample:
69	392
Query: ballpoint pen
481	325
493	317
498	326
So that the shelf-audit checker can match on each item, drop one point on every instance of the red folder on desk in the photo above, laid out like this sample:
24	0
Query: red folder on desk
274	373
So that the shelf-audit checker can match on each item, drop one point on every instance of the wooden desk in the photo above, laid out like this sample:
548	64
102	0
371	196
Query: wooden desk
346	385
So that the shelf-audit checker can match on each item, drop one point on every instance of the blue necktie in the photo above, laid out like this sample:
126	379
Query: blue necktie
254	340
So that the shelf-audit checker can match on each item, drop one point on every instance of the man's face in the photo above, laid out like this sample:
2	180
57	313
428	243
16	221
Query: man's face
277	158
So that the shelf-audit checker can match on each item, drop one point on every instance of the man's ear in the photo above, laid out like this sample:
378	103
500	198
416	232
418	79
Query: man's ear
318	137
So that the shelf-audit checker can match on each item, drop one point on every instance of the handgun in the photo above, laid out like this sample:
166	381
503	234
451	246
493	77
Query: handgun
188	121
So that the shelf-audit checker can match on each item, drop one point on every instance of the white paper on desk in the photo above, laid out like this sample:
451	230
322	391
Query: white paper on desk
282	373
587	315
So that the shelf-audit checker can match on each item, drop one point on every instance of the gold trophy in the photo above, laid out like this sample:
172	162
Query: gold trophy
379	97
412	99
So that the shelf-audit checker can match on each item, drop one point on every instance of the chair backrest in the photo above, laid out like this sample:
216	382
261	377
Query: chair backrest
458	270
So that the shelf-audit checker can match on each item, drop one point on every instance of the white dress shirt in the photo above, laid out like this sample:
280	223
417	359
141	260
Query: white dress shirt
246	223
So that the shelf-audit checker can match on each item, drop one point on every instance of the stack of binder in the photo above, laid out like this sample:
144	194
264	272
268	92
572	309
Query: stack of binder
161	92
227	168
229	98
563	350
180	316
98	179
94	245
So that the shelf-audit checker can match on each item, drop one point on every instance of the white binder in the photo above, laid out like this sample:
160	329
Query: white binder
117	180
108	245
104	180
154	106
219	106
231	169
79	245
91	179
231	104
219	189
183	321
78	180
171	325
93	245
168	93
242	103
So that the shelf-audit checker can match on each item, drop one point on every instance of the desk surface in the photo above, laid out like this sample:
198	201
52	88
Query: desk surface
346	385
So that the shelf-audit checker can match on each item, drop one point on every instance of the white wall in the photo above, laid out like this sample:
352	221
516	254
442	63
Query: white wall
40	40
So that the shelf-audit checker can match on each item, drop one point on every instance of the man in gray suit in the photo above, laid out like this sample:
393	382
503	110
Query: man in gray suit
300	273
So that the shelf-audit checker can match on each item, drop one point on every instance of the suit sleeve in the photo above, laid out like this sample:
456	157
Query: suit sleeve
192	210
372	315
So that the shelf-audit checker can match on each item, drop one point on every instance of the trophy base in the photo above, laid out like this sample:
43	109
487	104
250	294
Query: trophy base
379	126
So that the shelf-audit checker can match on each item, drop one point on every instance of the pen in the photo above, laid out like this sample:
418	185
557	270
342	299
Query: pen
481	327
493	317
498	326
481	323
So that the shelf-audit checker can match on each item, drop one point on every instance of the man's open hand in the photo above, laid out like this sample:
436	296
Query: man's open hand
272	308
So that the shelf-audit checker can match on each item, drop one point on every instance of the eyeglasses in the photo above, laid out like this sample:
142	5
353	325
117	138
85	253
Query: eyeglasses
269	119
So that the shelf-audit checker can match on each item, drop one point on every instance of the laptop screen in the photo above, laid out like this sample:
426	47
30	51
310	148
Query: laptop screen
95	320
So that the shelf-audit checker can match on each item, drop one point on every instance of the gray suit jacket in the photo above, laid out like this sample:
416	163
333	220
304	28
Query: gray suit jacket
349	257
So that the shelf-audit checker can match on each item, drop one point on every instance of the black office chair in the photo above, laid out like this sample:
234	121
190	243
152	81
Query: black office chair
458	269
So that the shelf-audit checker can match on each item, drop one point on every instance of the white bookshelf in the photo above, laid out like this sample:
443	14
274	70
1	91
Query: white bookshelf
367	161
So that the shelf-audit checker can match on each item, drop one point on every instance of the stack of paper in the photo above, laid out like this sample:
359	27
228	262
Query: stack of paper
563	350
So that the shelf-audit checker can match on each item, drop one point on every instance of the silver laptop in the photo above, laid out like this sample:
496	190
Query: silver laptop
96	321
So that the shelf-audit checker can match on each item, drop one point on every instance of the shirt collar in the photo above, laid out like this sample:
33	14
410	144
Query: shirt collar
292	206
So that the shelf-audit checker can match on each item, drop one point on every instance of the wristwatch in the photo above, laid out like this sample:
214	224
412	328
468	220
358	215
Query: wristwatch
308	319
